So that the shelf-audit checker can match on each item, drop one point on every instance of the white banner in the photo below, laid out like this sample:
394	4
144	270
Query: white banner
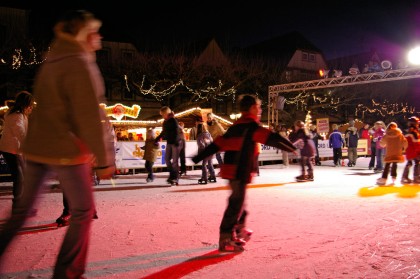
130	156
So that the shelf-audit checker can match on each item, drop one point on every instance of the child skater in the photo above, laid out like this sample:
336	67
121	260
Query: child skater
395	143
203	140
412	154
150	153
302	138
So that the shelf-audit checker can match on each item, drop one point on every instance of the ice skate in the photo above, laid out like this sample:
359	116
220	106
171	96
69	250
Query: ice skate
381	181
310	178
405	180
202	181
301	178
229	244
212	179
63	220
243	233
174	182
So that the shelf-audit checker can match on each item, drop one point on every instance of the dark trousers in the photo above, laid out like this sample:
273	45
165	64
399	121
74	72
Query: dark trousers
393	167
337	154
149	168
16	165
372	156
306	162
183	167
234	213
416	171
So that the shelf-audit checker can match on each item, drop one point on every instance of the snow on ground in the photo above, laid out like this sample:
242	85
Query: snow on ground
340	226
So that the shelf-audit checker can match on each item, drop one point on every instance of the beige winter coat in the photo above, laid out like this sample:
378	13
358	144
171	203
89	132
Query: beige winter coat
215	129
14	132
68	127
395	143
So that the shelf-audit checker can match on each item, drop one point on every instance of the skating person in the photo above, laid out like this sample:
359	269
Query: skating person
336	142
315	137
302	138
14	132
379	150
204	139
285	156
412	154
182	162
239	145
395	144
151	149
216	130
352	139
372	149
68	89
170	132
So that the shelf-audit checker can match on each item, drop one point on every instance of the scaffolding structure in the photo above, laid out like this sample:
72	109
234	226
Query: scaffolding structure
276	92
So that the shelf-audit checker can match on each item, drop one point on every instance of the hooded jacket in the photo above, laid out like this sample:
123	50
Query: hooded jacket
395	143
68	126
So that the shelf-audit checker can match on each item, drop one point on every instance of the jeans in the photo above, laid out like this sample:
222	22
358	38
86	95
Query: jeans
234	213
76	183
171	159
16	165
379	154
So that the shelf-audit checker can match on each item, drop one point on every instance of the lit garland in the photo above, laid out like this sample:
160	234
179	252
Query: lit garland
328	101
384	109
18	59
209	92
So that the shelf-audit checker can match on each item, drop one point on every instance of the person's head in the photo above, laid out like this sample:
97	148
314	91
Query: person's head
334	126
23	103
413	122
150	133
366	126
391	126
379	125
312	127
210	117
250	104
351	123
165	111
130	136
181	124
299	124
82	26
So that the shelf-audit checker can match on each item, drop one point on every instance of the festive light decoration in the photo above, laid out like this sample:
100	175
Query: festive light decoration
159	121
308	120
18	60
384	109
118	111
206	93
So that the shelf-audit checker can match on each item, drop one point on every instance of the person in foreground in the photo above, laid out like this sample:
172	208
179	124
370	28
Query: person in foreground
240	146
68	88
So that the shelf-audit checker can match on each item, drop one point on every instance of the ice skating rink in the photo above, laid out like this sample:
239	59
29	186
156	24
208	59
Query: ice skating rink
341	225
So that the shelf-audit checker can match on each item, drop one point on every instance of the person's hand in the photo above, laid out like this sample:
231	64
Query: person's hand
106	172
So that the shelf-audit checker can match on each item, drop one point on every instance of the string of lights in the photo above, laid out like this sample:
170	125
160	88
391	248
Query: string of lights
206	93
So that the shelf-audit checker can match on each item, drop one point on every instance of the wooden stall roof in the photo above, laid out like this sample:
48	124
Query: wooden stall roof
188	116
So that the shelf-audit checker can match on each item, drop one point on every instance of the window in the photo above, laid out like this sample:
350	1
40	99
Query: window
311	57
304	56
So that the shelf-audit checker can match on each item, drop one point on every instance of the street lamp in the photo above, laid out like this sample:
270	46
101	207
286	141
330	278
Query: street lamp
235	116
414	56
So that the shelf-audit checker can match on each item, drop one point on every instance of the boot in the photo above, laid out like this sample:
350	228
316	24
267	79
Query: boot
63	220
227	243
202	181
212	179
243	233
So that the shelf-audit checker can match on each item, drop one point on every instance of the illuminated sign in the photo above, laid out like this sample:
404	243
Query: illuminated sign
118	111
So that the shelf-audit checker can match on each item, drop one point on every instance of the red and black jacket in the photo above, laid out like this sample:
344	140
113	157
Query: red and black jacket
240	146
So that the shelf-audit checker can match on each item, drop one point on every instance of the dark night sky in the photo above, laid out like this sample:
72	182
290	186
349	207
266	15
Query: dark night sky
338	28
